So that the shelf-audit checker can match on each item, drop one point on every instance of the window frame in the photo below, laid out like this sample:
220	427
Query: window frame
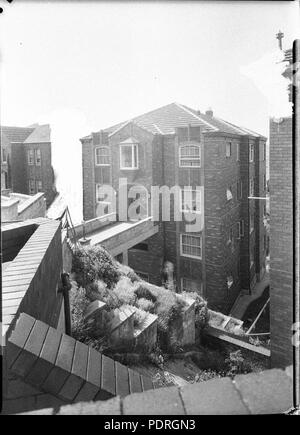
251	186
229	189
38	161
251	221
36	186
228	145
240	229
30	157
182	254
238	152
31	181
107	156
198	200
183	289
4	155
101	202
189	158
227	281
132	145
251	152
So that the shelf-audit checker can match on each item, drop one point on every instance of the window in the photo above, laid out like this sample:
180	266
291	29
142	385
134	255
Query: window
141	246
190	156
230	241
189	285
251	187
31	187
143	275
38	158
101	199
190	200
102	156
30	157
264	151
265	210
251	257
190	246
239	189
251	223
229	193
251	152
129	156
264	182
39	186
228	149
238	152
240	229
229	281
4	155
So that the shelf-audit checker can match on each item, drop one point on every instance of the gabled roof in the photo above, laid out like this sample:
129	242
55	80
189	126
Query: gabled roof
130	140
33	134
164	120
16	134
40	134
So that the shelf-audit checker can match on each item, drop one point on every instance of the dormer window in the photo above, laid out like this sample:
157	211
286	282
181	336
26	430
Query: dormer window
129	158
102	156
190	156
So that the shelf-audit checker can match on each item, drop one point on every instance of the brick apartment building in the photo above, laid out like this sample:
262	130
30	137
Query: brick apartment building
26	161
176	145
284	222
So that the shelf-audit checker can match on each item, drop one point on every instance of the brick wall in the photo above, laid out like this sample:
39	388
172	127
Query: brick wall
269	392
281	240
44	172
158	165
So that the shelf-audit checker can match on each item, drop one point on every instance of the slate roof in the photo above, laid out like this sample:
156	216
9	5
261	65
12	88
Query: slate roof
16	134
165	119
33	134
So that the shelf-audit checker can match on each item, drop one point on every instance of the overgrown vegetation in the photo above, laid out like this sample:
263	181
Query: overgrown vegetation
101	277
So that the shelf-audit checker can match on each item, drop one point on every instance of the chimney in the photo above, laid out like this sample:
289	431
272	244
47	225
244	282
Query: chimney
209	112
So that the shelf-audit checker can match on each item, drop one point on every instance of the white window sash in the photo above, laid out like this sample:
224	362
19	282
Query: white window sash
190	158
186	199
106	156
184	246
134	157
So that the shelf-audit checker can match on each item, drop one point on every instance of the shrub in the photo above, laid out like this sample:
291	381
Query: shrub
143	291
128	272
78	305
139	317
145	304
95	263
124	291
201	310
236	363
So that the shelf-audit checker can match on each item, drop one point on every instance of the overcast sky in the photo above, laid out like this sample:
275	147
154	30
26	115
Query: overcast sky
83	66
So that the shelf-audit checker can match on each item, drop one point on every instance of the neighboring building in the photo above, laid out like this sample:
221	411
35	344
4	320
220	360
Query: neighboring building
284	297
176	145
26	161
19	207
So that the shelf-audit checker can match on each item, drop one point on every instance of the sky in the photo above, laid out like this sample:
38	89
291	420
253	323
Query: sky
83	66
